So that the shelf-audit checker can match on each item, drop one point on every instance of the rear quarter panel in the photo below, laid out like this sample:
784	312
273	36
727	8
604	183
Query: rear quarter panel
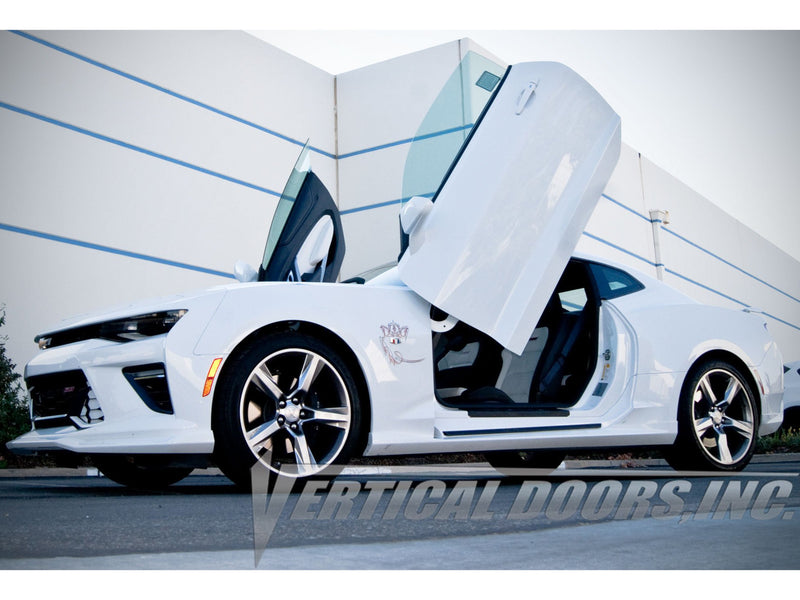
673	334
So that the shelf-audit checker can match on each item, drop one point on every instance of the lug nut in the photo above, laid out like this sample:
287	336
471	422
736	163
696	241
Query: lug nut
293	426
295	400
281	420
281	404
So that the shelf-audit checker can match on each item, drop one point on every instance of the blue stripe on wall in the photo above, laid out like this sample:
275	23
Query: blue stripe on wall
350	211
621	249
139	149
684	278
226	114
409	140
704	250
628	208
718	293
110	250
278	135
730	264
169	92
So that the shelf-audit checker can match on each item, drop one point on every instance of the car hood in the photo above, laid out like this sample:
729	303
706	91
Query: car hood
490	248
143	307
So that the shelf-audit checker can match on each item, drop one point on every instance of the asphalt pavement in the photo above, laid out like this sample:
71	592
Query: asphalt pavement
585	516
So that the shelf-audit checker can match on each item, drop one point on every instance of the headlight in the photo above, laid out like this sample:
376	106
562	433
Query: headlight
128	329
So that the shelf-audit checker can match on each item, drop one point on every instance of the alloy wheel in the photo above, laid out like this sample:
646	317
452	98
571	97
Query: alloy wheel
295	412
723	416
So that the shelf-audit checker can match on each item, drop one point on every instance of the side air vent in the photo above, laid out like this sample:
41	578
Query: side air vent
150	382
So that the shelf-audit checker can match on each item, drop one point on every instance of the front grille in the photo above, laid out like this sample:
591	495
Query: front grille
60	399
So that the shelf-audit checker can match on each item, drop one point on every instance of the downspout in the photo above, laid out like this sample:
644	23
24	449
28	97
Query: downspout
657	219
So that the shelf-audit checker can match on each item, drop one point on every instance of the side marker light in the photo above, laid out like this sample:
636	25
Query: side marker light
212	372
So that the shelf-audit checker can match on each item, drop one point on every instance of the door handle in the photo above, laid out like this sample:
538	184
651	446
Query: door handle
525	95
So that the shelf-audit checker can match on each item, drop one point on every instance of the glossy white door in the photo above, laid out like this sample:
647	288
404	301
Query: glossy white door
509	214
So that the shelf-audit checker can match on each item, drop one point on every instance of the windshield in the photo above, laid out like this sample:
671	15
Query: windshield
448	123
290	191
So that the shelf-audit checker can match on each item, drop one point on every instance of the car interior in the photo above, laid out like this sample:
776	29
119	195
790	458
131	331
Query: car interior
475	373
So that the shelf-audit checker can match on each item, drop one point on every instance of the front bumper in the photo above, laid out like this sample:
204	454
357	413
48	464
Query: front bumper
94	395
134	437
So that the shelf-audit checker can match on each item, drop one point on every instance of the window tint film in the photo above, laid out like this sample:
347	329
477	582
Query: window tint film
613	283
290	191
573	300
448	123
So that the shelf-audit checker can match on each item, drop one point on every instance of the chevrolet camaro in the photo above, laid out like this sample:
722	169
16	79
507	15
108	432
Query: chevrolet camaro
490	335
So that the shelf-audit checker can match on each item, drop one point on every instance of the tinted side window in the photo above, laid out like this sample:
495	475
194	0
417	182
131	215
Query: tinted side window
572	300
613	283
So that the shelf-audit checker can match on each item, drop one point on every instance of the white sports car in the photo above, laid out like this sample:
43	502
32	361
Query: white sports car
488	336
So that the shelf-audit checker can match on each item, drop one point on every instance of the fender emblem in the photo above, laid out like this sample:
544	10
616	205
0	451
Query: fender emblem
394	335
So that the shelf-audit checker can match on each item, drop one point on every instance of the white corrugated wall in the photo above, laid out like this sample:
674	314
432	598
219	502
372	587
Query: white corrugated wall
136	164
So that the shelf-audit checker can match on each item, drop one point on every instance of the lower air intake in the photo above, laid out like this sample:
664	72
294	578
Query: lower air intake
150	383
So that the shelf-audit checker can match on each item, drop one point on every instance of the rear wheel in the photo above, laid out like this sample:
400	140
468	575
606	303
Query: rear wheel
507	460
139	473
717	420
289	402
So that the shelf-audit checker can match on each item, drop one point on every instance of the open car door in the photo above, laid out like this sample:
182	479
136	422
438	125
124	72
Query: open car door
305	241
508	214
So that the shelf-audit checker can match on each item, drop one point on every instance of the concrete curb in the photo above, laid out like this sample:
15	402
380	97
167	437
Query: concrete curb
569	464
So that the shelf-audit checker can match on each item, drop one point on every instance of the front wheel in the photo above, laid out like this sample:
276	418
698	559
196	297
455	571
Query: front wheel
289	402
717	420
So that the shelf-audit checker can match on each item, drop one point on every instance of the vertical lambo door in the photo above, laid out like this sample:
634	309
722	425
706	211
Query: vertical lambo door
518	326
305	241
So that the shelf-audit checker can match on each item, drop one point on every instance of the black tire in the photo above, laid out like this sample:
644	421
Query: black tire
717	420
139	473
508	461
288	401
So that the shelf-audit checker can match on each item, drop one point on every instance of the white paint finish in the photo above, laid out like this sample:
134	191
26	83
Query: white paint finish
401	395
51	280
511	211
667	330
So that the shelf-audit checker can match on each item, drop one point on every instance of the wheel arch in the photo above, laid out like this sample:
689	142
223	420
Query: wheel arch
325	335
734	360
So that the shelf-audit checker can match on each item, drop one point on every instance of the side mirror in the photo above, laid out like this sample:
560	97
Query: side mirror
413	213
244	272
315	249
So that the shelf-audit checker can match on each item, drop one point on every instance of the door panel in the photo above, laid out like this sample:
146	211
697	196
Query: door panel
305	241
509	213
